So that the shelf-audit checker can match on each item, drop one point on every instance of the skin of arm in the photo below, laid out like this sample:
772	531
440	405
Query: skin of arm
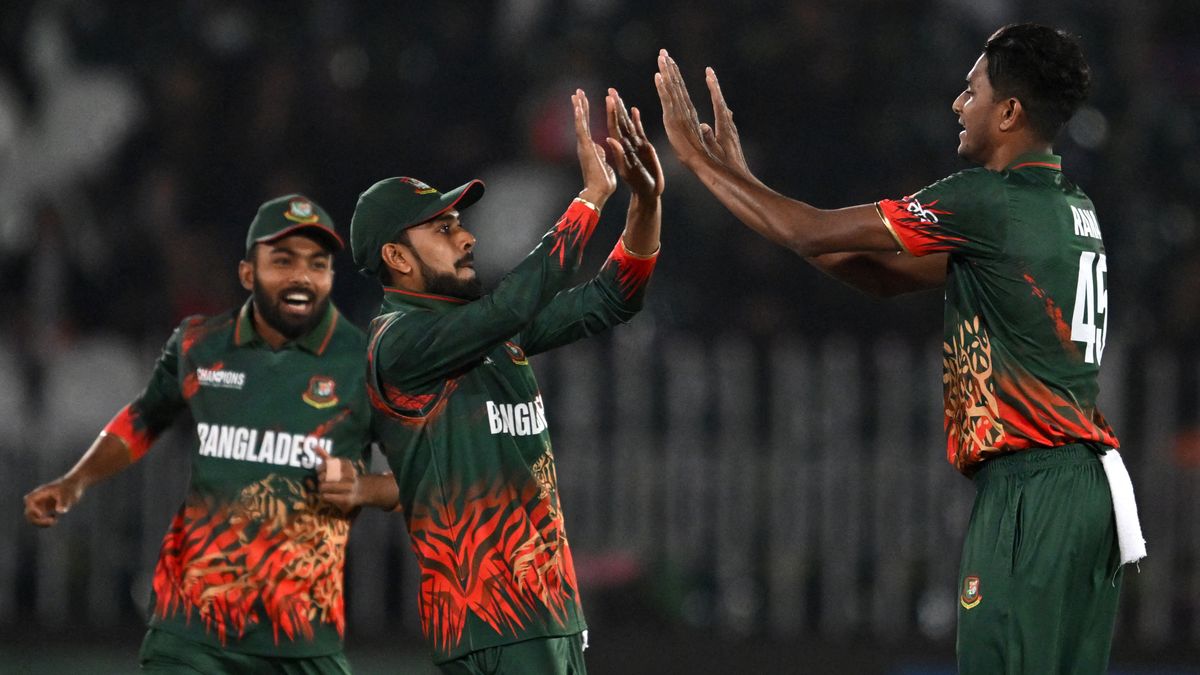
884	275
636	162
107	456
848	244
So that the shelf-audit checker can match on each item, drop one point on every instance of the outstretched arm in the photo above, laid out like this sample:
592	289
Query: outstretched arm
107	456
714	154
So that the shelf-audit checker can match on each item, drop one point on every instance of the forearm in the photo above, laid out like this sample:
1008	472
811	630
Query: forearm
379	490
643	224
108	455
884	275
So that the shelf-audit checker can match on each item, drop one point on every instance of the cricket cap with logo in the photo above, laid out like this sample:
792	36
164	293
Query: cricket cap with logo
292	214
393	205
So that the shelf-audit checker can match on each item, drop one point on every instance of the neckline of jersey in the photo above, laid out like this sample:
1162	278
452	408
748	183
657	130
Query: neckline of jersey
1039	160
394	294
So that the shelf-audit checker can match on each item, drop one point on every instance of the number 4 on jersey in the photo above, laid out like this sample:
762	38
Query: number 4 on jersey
1091	301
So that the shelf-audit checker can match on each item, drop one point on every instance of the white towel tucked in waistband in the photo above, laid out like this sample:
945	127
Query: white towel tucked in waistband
1129	528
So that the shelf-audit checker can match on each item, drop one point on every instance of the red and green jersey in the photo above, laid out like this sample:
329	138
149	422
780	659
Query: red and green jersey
1026	310
464	428
252	561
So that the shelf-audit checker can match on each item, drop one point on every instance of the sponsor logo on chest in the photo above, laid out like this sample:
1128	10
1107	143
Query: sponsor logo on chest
517	419
278	448
220	378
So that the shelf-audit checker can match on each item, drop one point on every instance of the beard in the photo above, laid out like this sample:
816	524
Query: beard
269	310
450	285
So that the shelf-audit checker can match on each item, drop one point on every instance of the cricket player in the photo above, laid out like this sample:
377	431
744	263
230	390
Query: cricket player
249	577
460	415
1018	248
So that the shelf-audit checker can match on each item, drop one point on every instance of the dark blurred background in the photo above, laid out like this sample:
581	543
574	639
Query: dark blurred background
753	470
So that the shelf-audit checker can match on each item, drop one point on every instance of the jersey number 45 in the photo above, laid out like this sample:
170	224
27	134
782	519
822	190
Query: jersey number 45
1091	301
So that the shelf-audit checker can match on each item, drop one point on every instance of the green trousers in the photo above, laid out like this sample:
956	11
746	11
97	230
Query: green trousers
1040	575
539	656
168	654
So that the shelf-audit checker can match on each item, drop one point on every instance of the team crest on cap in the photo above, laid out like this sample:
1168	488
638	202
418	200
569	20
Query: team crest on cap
422	188
300	211
321	392
516	353
971	594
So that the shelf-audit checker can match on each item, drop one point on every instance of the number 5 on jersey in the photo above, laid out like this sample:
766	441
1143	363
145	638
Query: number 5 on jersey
1091	301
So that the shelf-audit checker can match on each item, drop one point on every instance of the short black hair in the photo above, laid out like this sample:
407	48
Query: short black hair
385	273
1041	67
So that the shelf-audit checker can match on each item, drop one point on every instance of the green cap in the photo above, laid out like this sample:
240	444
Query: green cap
292	214
393	205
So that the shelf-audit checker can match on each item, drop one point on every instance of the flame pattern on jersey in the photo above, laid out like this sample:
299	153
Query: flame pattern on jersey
633	273
572	232
916	225
494	553
276	544
995	407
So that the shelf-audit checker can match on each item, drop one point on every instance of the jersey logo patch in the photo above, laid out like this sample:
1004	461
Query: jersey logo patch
971	594
218	377
300	211
516	353
321	392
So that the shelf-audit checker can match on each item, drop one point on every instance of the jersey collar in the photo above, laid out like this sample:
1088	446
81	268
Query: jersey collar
396	298
1039	160
315	341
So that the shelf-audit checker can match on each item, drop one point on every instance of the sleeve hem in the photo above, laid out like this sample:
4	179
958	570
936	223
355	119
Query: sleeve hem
892	230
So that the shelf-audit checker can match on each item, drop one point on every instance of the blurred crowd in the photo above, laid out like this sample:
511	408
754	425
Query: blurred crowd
137	139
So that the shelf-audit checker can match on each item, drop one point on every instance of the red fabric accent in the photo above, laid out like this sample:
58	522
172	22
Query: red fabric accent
431	296
632	272
495	552
219	563
1054	312
575	227
1046	165
127	426
917	226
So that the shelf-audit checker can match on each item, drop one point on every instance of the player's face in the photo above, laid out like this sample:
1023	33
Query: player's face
444	255
977	109
291	279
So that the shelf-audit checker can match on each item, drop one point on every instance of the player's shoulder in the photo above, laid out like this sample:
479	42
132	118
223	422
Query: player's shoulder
968	179
200	329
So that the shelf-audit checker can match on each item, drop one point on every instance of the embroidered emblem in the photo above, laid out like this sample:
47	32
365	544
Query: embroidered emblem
421	188
971	594
516	353
321	392
301	211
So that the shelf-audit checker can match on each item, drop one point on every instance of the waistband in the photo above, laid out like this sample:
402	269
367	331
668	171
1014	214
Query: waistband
1027	461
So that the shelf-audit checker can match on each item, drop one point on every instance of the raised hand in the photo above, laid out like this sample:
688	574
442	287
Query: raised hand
679	113
337	482
45	503
634	157
722	138
599	180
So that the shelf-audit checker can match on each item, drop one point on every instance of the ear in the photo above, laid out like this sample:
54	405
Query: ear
1011	114
397	257
246	274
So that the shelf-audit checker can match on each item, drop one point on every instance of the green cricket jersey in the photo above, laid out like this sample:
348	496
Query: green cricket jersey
252	562
1026	310
464	429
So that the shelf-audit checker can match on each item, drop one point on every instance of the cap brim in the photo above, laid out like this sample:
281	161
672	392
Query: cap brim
331	238
460	197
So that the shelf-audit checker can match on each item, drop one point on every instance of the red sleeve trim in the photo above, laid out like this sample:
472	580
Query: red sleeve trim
633	271
127	426
915	226
574	229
